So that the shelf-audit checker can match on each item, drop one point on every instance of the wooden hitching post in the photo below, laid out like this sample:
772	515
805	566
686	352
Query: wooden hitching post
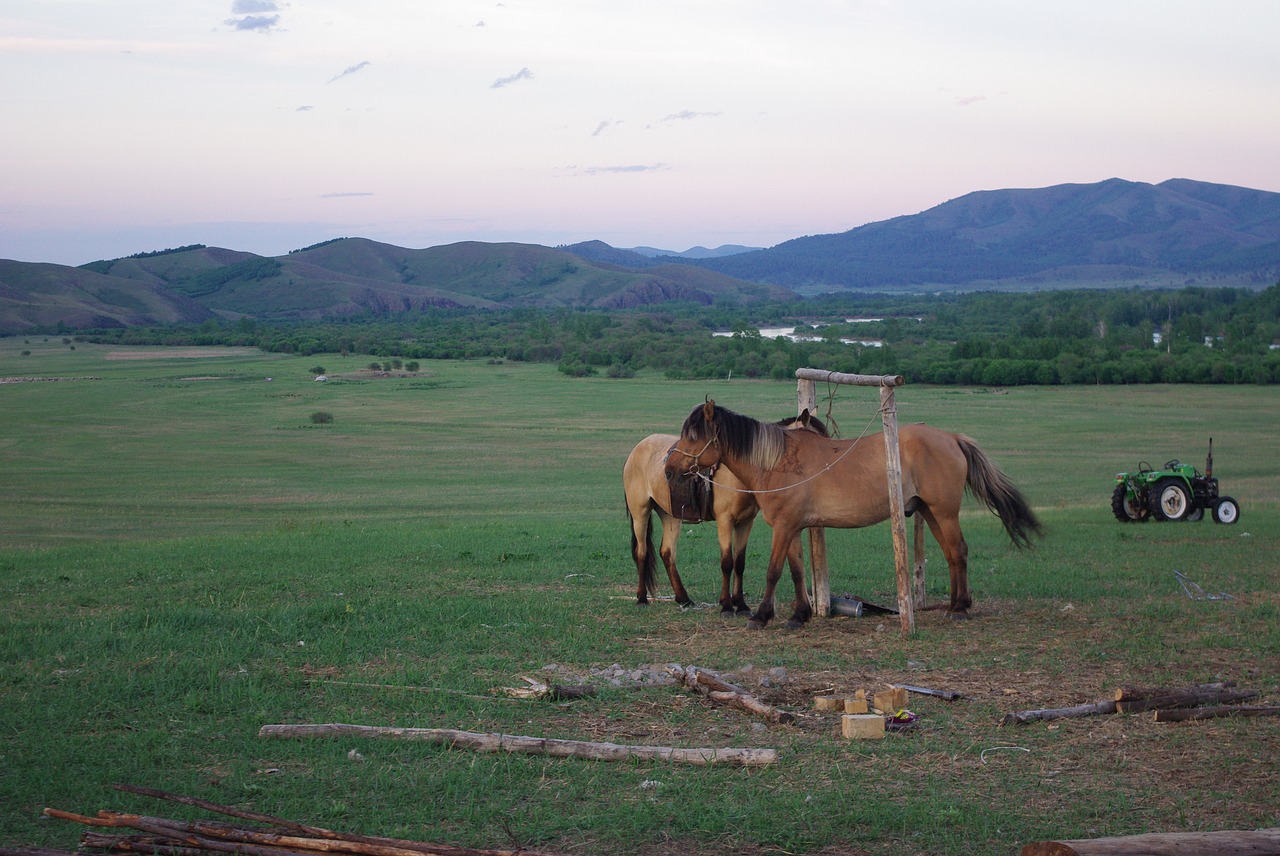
910	585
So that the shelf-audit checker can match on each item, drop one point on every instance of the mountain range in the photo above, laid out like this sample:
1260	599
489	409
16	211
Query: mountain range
1112	233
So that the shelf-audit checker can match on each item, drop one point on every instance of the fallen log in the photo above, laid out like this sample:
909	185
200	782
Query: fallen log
1137	699
299	828
1259	842
719	690
179	838
1216	712
1025	716
491	742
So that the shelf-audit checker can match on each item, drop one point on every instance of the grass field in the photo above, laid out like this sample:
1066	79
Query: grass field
185	556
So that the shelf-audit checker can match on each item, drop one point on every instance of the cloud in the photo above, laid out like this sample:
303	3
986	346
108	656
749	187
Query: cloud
686	115
350	70
967	100
254	22
610	170
254	15
522	74
604	126
305	108
345	194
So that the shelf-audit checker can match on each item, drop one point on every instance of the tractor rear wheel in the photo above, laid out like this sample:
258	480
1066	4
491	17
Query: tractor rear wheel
1170	500
1125	509
1226	510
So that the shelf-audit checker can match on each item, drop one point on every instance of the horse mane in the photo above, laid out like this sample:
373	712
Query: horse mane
759	443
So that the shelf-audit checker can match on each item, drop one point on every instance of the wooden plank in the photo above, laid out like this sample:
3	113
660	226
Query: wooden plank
1258	842
823	376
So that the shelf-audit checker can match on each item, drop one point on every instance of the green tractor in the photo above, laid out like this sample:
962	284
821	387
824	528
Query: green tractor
1176	492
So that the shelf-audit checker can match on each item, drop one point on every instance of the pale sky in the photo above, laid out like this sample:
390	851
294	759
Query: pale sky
269	125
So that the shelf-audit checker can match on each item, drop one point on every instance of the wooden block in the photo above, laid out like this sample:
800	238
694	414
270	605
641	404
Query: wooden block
862	727
828	702
890	701
855	705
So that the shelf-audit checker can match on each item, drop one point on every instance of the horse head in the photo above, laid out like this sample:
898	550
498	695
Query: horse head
697	451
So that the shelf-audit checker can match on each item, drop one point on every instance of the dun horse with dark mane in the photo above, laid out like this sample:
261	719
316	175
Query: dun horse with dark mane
801	480
721	498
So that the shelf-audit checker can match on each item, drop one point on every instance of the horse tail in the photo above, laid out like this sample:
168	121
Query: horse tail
649	568
988	483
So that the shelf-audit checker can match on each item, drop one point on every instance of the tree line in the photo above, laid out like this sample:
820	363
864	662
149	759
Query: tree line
1189	335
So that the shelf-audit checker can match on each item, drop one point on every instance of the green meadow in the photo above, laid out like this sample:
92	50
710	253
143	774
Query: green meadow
187	555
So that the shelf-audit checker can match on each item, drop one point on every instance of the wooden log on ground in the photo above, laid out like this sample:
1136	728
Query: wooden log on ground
489	742
1025	716
193	838
1135	700
1189	713
312	831
1259	842
719	690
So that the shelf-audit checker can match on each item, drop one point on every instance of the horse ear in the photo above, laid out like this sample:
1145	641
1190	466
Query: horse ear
804	417
709	411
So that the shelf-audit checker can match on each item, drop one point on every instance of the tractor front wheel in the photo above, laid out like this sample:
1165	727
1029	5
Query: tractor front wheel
1170	500
1226	510
1124	508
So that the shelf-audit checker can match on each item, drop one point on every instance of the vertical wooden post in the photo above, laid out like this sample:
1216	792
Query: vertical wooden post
917	581
820	594
897	517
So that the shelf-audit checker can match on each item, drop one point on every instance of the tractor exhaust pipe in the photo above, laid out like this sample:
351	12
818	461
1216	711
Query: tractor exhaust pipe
1208	462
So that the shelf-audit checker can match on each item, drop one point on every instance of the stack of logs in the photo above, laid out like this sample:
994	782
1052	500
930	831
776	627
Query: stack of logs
275	837
1201	701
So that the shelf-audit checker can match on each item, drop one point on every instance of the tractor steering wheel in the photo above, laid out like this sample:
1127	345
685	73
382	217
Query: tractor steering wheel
1172	465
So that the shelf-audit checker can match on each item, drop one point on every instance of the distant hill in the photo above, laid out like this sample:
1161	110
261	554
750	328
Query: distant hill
35	295
341	278
1114	232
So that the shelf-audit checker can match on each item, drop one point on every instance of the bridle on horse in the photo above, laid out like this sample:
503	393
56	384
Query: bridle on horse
704	473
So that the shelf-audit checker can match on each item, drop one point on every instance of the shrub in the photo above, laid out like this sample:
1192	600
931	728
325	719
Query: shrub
317	370
320	417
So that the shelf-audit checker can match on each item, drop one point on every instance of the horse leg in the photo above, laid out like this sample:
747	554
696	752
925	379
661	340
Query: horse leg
724	532
946	532
741	533
671	534
642	551
803	607
777	555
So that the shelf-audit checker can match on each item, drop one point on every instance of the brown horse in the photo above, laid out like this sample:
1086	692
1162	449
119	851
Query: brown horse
801	480
721	498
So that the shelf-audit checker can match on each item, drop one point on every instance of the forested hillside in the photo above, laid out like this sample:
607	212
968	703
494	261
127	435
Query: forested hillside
1192	335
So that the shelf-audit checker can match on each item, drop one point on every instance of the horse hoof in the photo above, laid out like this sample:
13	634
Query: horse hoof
958	614
744	610
792	624
755	624
728	613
